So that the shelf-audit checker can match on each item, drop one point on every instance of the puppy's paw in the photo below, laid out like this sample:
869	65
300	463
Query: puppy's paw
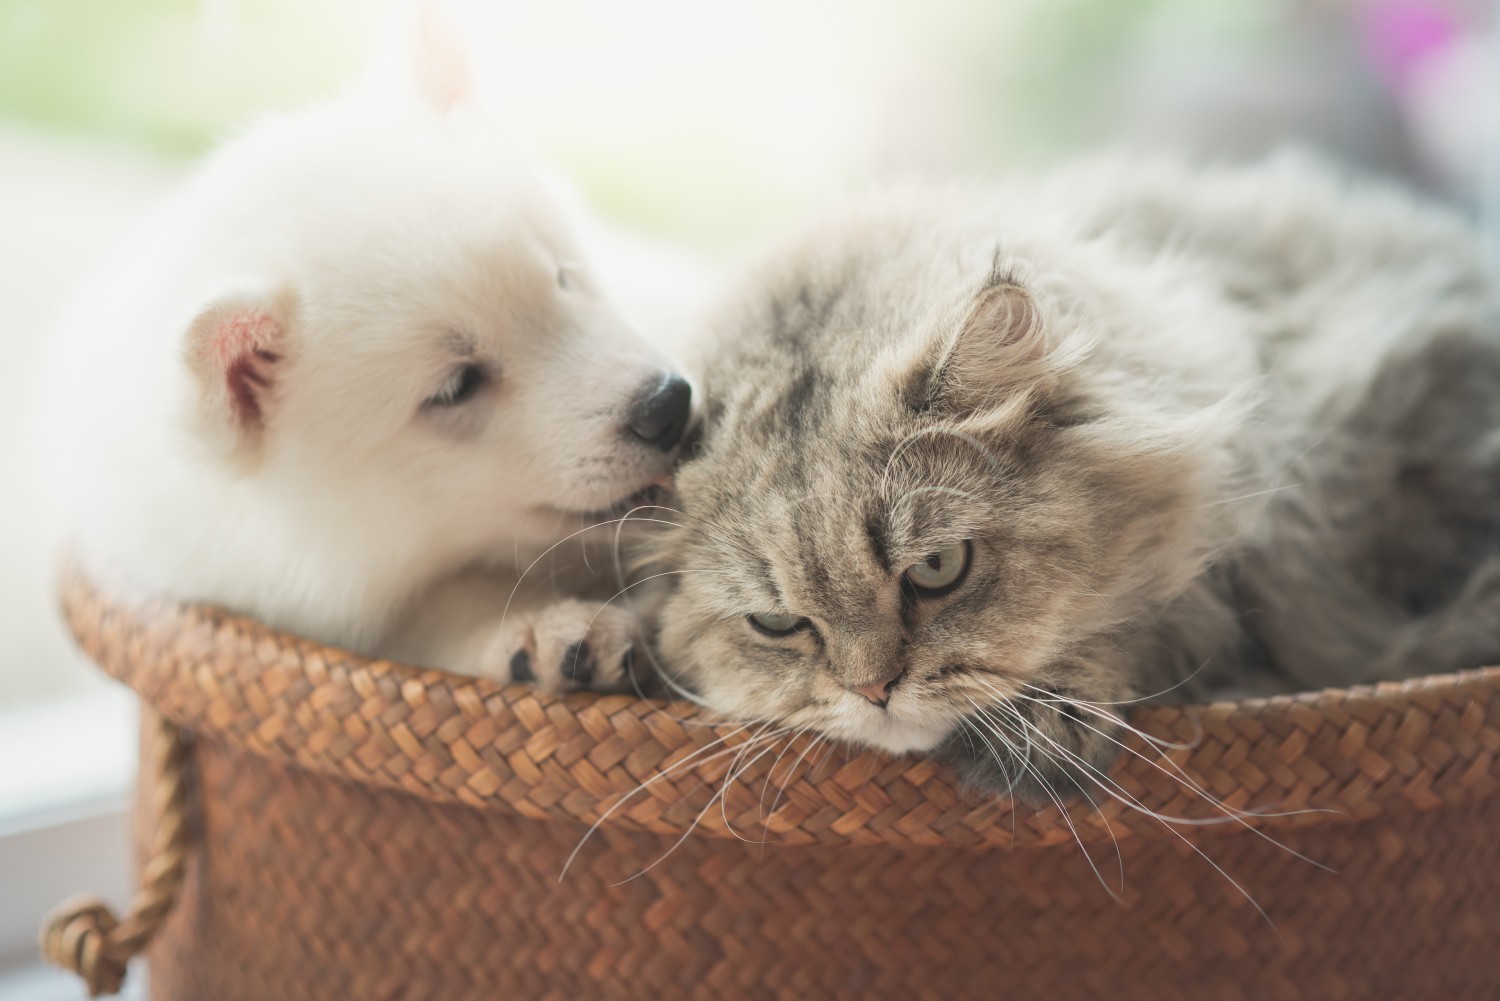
568	646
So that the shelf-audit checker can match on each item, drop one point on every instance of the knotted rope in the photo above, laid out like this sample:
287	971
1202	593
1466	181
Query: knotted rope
83	935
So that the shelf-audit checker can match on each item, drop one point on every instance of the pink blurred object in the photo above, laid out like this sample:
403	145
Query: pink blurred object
1436	60
1400	34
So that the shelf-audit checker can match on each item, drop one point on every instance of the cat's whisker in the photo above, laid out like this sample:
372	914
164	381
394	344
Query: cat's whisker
690	828
964	729
615	543
1160	748
1156	695
967	726
1105	783
1181	775
1097	709
1084	586
896	507
1164	691
1014	753
900	447
686	724
1181	780
984	451
1081	582
520	578
1011	776
648	783
677	689
676	844
1026	764
827	753
643	560
1285	468
1103	818
781	792
1245	497
701	527
1057	801
771	772
665	573
1231	814
735	773
744	749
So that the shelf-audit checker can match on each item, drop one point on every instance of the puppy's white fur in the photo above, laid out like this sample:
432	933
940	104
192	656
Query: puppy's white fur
246	404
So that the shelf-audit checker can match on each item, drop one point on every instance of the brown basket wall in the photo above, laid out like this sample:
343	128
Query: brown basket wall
362	830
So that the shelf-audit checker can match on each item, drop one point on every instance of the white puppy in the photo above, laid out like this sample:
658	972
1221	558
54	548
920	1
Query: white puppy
359	376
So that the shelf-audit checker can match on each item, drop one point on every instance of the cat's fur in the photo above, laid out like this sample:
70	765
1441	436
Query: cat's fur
1203	427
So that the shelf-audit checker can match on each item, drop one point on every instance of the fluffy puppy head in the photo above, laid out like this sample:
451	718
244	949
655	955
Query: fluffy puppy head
397	330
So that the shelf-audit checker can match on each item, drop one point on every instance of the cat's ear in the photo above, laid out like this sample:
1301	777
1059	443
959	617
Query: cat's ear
1000	344
1002	341
237	349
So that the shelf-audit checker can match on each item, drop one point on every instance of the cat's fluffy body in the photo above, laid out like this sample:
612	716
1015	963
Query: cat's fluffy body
1202	427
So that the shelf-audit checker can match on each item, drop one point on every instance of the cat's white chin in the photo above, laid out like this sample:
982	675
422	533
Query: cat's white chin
894	734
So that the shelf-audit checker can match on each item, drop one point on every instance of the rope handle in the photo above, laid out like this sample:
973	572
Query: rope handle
82	934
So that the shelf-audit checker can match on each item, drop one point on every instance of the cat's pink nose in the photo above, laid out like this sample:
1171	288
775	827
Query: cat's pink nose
878	692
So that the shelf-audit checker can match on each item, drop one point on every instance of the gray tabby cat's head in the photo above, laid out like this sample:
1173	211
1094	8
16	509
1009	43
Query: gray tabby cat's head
918	494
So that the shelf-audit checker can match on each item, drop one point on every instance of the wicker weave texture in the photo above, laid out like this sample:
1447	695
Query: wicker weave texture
1336	755
316	889
370	831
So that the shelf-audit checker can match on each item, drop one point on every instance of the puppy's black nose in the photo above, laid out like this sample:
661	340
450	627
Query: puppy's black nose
661	415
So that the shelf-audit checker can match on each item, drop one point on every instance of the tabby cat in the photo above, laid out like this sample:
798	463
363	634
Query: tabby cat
981	470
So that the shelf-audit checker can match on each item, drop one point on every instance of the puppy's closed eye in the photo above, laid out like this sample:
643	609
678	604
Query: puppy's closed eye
465	383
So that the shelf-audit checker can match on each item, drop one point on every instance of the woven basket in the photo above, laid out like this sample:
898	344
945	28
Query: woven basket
319	827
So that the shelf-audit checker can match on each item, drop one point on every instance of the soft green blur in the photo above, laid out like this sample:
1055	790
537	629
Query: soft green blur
170	74
694	120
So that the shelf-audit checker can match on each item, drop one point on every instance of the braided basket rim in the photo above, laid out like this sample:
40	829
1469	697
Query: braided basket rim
1331	756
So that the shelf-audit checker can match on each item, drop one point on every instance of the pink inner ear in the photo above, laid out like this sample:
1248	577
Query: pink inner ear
243	346
1008	312
442	62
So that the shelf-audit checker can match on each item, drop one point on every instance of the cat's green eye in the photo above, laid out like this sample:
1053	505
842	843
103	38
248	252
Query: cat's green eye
777	623
941	572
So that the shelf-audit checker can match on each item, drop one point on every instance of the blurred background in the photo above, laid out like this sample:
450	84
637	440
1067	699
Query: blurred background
701	124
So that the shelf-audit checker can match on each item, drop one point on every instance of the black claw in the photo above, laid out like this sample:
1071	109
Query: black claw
578	664
520	667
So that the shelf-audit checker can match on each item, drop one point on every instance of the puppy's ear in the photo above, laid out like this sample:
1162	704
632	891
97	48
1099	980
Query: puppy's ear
425	58
236	350
441	60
